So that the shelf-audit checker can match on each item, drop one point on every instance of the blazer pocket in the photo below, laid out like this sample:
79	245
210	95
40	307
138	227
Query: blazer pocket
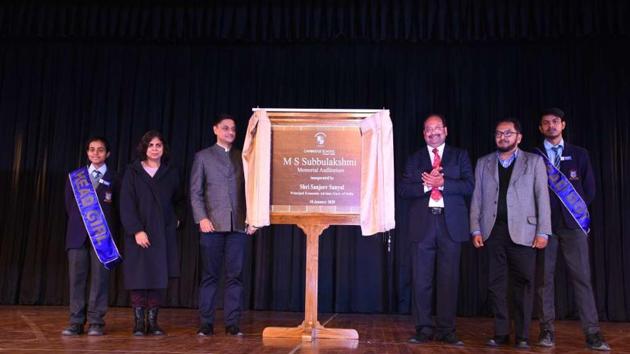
532	220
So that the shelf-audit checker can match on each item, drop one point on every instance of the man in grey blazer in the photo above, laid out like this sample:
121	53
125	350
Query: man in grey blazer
217	196
510	215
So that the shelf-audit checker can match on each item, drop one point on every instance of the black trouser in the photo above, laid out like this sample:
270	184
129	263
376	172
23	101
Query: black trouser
82	261
574	247
436	256
215	248
518	262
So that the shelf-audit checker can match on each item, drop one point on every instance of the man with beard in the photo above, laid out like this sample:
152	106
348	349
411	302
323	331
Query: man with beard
509	214
568	235
437	181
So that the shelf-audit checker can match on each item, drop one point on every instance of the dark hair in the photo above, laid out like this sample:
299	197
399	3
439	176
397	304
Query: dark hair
221	117
517	124
143	145
553	111
97	138
441	116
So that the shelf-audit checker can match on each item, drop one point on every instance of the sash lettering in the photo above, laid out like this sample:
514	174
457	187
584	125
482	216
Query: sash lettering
562	187
94	218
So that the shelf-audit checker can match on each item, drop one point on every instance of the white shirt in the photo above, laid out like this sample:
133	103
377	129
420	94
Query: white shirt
440	202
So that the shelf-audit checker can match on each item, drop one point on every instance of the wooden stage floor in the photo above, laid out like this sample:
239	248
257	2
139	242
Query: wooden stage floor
36	329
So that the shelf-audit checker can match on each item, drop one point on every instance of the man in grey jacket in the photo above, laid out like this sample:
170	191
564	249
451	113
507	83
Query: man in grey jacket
217	196
510	215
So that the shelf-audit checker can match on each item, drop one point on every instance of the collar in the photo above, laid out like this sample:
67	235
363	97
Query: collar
507	162
226	149
102	169
440	150
549	145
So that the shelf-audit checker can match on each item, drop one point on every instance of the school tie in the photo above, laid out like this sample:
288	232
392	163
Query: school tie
435	191
96	176
556	155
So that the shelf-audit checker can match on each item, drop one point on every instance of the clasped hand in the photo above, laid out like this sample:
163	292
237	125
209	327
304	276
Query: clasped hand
433	179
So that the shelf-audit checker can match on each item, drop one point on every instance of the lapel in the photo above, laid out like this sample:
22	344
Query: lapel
161	172
144	176
492	167
152	181
566	166
106	177
425	160
567	151
520	165
446	156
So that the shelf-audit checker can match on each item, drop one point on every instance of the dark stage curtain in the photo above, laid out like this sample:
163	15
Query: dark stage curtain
57	88
315	20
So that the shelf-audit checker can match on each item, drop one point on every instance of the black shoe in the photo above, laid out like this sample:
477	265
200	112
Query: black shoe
74	329
521	343
420	337
95	330
205	330
546	339
233	330
152	319
596	341
138	321
450	338
498	341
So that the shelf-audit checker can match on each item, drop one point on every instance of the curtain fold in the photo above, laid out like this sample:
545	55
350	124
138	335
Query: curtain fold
316	20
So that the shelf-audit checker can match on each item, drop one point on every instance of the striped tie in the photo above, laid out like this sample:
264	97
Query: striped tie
96	177
556	157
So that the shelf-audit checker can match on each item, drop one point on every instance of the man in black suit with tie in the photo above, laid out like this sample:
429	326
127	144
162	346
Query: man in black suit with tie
81	256
568	237
437	180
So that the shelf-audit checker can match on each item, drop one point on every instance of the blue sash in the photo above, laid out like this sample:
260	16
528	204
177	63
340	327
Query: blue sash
567	194
93	218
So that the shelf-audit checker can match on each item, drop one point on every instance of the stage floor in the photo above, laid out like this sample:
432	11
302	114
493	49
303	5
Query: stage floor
36	329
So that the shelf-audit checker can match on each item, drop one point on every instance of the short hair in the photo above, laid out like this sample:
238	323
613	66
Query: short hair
221	117
438	115
517	124
97	138
553	111
143	145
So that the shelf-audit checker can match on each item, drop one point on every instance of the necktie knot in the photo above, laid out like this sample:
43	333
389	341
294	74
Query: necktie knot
96	174
436	158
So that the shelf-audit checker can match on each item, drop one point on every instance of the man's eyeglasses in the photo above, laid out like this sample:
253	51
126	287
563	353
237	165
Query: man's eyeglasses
507	134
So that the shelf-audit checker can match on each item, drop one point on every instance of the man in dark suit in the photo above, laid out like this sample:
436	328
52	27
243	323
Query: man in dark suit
81	257
567	235
217	195
437	180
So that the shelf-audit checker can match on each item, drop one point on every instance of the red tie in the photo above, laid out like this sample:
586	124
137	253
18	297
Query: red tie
435	192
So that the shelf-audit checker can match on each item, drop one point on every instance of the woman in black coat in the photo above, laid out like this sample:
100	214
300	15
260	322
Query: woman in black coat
150	195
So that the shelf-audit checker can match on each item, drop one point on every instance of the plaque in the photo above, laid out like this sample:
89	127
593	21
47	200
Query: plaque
316	168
